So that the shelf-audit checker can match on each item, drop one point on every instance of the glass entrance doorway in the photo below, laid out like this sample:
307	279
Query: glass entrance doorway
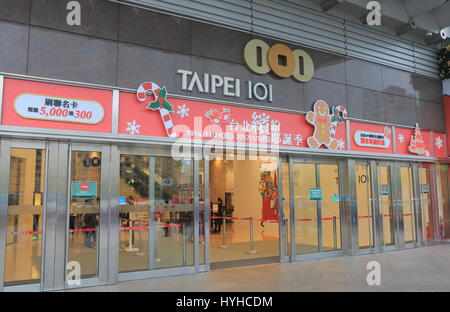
54	217
244	211
386	205
316	197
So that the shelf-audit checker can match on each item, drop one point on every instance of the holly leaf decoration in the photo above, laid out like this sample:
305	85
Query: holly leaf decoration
167	106
162	93
153	105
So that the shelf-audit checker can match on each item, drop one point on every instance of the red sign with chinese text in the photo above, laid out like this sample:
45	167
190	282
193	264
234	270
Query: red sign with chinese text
53	106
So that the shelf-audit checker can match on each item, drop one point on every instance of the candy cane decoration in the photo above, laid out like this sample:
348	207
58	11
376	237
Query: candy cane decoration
341	109
336	119
160	104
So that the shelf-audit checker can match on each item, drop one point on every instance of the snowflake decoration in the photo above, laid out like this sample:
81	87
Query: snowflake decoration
401	138
133	127
183	111
341	144
439	142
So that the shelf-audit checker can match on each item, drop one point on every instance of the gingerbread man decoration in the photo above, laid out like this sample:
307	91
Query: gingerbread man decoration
320	118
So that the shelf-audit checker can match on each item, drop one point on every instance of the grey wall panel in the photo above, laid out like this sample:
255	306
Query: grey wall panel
13	47
328	66
15	10
98	18
74	57
301	25
218	42
205	65
397	82
152	29
400	109
365	104
427	89
292	22
364	74
287	93
138	64
233	13
430	115
333	93
425	61
363	42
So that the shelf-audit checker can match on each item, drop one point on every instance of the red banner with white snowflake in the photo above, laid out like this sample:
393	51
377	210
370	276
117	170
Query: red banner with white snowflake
207	121
151	112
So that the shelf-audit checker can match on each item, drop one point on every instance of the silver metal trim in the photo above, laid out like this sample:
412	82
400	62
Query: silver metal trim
62	215
2	80
114	224
394	141
196	203
115	111
49	215
207	217
5	152
348	135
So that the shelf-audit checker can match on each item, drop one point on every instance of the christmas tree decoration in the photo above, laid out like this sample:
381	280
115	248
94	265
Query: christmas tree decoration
160	103
417	145
444	62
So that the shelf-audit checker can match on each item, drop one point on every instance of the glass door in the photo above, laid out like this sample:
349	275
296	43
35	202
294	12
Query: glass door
364	200
407	197
385	202
23	167
315	195
376	210
89	199
156	215
428	224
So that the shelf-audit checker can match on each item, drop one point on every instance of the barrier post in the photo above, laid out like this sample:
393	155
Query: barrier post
334	233
252	250
157	259
183	244
224	244
286	238
131	247
140	253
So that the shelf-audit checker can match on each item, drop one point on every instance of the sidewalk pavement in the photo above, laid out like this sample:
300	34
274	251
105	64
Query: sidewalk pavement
417	269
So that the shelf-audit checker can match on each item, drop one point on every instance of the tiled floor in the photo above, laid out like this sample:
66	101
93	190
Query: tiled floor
419	269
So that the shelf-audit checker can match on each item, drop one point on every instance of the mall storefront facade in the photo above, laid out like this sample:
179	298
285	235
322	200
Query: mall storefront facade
312	154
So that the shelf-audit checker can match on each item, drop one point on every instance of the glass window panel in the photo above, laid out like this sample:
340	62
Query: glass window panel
330	207
134	210
425	199
306	229
363	205
84	212
385	194
408	204
25	216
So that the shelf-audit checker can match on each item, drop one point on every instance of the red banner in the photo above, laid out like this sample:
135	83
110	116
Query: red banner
53	106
